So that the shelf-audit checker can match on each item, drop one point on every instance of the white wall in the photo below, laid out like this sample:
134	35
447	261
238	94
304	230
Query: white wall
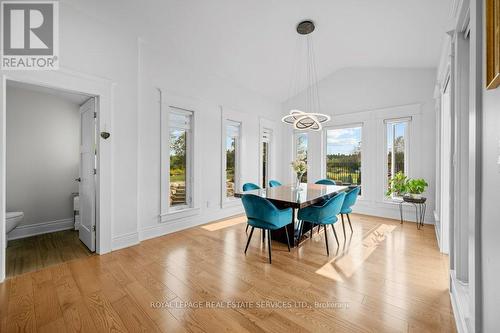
490	211
42	155
90	46
368	95
210	93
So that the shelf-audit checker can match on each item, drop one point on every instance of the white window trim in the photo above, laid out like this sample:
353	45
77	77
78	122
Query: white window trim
167	103
270	144
225	118
295	136
409	120
325	149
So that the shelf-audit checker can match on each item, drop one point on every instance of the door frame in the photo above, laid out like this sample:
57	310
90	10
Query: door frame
103	90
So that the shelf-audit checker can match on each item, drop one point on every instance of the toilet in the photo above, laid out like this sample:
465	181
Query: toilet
12	220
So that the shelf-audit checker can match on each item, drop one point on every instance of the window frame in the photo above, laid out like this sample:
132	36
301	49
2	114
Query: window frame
167	103
189	153
296	134
225	200
266	136
325	148
407	151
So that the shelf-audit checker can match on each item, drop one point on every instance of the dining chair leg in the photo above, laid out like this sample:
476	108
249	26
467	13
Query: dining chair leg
312	227
349	219
269	243
335	234
246	230
326	241
263	232
301	229
343	225
248	241
287	238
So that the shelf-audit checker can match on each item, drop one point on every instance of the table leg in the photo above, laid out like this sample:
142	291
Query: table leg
401	211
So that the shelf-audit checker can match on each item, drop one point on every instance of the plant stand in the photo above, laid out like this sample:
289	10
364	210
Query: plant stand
420	208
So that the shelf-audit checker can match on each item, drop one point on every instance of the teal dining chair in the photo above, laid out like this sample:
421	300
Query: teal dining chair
325	181
325	214
262	214
250	187
350	200
274	183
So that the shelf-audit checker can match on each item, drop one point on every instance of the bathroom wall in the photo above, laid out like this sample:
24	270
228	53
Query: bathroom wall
43	133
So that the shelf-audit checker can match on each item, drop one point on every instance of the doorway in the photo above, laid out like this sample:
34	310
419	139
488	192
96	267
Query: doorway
69	81
50	176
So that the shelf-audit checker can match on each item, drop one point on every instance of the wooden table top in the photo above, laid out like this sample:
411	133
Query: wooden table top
287	196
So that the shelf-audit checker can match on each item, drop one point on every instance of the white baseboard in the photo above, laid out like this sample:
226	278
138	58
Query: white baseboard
29	230
390	210
124	241
185	223
459	303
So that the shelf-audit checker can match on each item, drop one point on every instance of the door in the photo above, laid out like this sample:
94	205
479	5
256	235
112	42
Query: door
87	174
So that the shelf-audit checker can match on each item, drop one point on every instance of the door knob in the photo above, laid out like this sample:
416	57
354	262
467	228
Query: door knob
78	179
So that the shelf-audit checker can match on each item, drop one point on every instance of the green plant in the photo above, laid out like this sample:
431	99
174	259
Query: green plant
398	184
416	186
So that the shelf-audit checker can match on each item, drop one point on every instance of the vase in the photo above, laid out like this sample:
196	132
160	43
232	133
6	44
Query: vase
297	182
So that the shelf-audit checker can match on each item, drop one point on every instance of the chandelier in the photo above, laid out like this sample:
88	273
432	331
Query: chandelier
309	118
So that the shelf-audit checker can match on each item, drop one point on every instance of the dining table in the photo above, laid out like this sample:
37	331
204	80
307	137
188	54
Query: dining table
291	196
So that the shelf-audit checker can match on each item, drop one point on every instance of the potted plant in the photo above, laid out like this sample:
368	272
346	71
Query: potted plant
398	185
416	187
299	166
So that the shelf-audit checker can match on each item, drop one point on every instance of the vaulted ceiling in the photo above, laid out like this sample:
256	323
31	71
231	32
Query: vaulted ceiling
252	43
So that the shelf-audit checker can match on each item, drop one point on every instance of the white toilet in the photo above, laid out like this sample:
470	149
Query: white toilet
12	220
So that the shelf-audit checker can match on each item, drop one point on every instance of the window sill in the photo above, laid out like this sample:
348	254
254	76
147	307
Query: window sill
392	201
179	214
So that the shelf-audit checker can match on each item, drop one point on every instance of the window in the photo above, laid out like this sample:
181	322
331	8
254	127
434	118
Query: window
301	141
343	155
180	142
397	147
265	151
231	156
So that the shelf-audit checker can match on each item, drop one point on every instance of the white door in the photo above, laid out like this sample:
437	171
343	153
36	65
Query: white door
87	173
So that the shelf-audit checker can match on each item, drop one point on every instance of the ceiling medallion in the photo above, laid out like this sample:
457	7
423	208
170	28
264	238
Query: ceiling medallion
312	119
305	121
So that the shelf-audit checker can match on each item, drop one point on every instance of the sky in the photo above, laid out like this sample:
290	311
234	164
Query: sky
400	131
343	140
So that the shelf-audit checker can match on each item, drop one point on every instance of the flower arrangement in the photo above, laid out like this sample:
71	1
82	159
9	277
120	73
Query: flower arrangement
299	166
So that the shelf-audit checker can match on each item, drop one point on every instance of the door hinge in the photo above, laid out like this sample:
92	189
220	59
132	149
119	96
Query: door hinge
95	114
95	171
93	228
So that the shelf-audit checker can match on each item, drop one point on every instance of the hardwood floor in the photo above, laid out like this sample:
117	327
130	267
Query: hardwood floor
34	253
387	277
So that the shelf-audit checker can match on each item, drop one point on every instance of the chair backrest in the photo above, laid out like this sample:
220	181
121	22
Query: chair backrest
250	186
350	198
333	206
259	208
274	183
326	182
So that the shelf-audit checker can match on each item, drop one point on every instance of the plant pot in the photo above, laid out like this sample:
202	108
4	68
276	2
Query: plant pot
415	196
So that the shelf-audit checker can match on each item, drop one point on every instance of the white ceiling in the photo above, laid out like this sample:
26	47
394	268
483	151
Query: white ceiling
252	42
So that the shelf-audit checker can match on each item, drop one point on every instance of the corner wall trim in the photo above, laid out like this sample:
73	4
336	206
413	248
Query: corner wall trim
459	303
29	230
